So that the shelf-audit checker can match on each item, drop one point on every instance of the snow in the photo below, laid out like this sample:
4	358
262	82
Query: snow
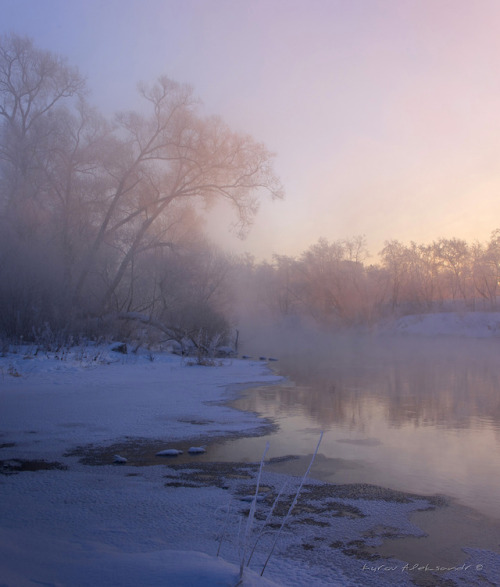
76	401
169	452
471	324
117	524
81	564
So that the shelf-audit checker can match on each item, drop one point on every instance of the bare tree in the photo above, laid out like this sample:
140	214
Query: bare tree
486	268
174	154
87	206
33	84
394	260
455	259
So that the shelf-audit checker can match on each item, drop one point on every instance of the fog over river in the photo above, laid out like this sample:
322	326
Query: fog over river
409	413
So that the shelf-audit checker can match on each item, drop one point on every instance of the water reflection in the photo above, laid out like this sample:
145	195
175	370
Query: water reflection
417	415
426	383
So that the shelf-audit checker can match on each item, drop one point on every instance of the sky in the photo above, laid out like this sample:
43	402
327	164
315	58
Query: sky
384	114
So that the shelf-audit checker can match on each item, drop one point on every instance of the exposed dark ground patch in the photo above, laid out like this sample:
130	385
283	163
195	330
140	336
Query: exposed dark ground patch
13	466
196	422
142	452
357	549
7	444
370	492
208	474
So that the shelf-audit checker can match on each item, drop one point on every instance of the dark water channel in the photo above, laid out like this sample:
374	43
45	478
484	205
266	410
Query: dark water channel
413	414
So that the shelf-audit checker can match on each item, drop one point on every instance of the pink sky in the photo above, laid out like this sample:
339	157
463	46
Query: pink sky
385	115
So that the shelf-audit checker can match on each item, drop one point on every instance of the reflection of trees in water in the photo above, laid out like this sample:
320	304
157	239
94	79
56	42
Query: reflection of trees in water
427	394
454	384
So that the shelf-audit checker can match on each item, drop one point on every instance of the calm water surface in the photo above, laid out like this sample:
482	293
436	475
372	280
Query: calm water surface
418	415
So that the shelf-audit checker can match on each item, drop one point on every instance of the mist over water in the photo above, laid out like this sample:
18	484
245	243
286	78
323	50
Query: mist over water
410	413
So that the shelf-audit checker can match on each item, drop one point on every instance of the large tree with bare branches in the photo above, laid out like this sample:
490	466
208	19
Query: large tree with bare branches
172	157
82	199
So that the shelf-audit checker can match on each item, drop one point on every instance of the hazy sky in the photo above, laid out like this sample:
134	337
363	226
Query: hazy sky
384	115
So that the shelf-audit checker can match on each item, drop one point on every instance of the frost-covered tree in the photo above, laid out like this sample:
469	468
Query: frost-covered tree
85	201
34	85
173	155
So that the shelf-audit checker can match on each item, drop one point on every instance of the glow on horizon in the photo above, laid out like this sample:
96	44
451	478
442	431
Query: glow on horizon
384	115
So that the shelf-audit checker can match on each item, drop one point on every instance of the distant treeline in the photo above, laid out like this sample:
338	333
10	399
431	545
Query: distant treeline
333	283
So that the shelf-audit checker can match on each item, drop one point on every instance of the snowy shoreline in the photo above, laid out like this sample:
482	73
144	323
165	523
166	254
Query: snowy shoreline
130	525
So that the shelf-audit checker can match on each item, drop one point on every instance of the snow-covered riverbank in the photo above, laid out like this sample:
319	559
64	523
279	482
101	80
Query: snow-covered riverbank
67	523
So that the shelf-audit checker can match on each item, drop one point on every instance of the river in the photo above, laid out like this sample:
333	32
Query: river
413	414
